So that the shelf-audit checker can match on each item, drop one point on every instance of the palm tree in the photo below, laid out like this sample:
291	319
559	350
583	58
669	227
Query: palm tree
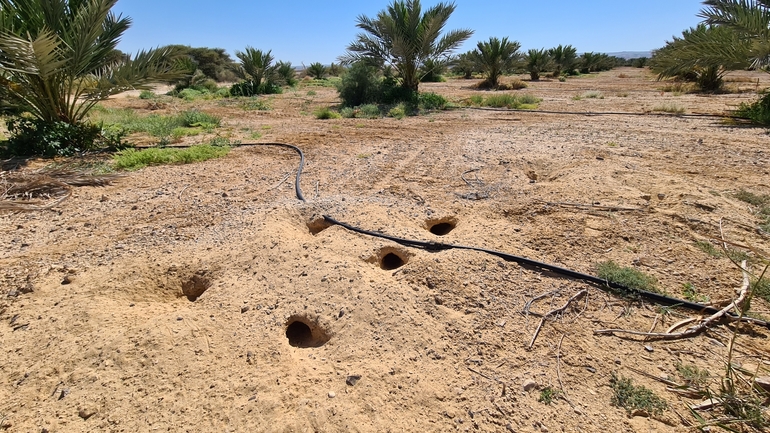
256	65
404	37
57	58
702	54
316	70
495	57
750	19
537	61
465	64
564	59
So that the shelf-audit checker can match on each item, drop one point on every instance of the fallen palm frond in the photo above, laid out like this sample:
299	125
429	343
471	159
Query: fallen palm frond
43	190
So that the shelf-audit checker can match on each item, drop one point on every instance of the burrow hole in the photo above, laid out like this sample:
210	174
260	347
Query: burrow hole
196	285
441	227
391	259
305	333
318	225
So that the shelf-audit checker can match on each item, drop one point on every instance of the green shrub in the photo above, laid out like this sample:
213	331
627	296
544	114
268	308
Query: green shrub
36	137
147	94
189	94
398	112
431	101
359	85
627	277
758	111
250	88
632	398
132	159
325	113
199	118
369	111
256	104
348	112
506	100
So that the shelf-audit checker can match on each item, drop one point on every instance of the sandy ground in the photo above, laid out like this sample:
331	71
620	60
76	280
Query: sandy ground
162	302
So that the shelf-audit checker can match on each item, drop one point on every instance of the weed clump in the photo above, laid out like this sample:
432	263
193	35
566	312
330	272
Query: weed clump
627	277
633	398
325	113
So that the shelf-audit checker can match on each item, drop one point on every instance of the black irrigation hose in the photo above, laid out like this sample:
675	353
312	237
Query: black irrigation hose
523	261
603	113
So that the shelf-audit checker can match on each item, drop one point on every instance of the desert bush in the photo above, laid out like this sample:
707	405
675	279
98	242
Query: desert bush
38	137
506	100
325	113
669	108
147	94
758	111
199	118
369	111
431	101
631	397
359	85
399	111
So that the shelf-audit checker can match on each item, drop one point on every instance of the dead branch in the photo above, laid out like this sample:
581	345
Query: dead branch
280	183
689	332
577	296
529	303
593	206
477	180
558	372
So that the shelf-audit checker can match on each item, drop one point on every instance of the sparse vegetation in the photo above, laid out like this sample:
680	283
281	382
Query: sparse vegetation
690	293
669	108
693	376
325	113
548	394
632	398
132	159
628	277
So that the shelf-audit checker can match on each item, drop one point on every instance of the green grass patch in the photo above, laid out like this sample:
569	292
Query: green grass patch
761	288
692	375
690	293
506	100
133	159
256	104
548	394
626	276
632	398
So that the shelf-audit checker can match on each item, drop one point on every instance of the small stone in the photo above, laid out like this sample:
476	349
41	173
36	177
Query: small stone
543	429
661	196
65	392
69	279
529	385
640	413
352	380
578	411
501	323
647	197
224	194
245	308
617	361
86	412
591	369
332	394
649	348
103	198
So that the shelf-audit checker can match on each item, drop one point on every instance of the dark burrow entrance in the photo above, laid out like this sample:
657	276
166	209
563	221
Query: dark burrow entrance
391	261
196	285
304	333
317	225
441	227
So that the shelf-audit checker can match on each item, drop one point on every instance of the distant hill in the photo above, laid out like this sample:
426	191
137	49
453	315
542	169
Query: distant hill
631	54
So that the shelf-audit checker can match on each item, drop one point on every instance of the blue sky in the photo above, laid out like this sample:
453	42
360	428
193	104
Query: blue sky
318	31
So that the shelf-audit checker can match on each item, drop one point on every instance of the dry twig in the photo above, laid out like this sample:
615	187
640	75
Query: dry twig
577	296
693	330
